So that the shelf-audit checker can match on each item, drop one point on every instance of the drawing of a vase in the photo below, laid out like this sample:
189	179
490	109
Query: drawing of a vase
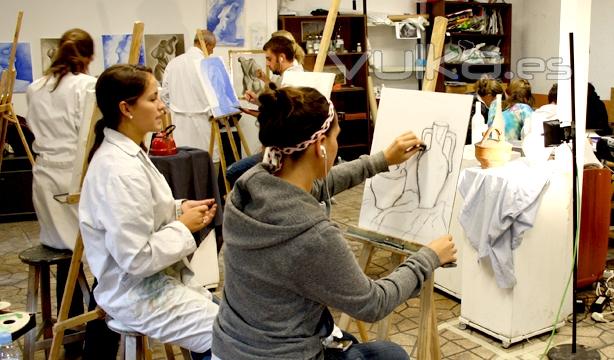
388	187
434	163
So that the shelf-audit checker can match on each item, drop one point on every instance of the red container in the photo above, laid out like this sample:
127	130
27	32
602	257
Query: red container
594	225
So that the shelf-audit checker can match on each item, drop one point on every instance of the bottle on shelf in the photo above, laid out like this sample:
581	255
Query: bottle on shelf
358	47
309	45
339	44
478	124
316	45
8	350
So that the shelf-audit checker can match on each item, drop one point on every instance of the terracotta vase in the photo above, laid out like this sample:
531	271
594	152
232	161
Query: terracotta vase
434	163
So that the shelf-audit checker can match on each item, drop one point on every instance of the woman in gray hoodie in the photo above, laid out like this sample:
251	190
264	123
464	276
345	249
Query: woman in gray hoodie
286	261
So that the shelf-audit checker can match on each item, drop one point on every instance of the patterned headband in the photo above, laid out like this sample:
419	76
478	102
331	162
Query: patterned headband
274	154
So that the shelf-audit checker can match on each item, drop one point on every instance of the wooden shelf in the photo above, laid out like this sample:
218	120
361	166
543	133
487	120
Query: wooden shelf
351	99
469	34
338	54
348	89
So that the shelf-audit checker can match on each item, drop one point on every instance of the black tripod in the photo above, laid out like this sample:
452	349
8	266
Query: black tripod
573	351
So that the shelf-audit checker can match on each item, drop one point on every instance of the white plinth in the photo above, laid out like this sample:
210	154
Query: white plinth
542	265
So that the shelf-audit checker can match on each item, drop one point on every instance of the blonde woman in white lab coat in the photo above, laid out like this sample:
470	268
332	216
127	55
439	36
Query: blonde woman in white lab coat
133	229
55	107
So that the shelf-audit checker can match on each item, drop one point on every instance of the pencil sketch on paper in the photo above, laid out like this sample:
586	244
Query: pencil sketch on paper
48	49
247	67
413	200
160	49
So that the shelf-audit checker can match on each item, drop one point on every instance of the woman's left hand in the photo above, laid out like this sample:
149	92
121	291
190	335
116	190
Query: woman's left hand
188	204
402	148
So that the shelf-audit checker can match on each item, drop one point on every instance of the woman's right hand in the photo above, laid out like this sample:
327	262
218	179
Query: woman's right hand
444	248
198	217
251	97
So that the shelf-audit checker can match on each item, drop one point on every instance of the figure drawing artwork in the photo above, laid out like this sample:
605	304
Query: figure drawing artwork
48	49
116	49
160	49
226	19
413	201
23	64
217	87
246	67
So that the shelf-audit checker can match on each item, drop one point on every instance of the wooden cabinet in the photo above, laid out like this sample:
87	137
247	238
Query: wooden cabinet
463	71
350	92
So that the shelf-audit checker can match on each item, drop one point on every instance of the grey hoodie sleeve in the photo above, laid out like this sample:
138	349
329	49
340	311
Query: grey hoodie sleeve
346	175
335	278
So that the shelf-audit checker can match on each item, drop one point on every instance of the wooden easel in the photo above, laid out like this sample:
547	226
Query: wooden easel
7	114
63	323
216	134
428	337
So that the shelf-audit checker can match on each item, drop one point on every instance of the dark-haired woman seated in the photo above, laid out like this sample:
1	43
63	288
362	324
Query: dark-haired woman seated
286	261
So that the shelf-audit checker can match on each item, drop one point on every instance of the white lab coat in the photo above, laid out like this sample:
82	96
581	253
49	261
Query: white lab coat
54	117
134	245
184	95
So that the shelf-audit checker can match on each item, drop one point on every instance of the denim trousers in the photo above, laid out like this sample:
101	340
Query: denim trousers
375	350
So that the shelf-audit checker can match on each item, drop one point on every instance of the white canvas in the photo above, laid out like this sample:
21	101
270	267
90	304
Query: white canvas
217	87
321	81
413	201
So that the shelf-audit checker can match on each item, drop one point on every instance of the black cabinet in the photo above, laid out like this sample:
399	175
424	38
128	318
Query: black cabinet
16	189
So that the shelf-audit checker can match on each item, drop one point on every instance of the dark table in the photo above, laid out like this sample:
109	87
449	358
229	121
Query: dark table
191	175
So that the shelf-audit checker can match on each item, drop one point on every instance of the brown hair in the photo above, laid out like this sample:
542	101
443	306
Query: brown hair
73	55
121	82
291	115
281	45
519	91
299	53
488	86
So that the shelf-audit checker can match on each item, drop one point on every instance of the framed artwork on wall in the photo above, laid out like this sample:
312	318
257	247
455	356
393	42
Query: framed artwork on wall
48	49
226	19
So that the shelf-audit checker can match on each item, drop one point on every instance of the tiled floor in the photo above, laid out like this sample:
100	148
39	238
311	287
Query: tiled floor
455	343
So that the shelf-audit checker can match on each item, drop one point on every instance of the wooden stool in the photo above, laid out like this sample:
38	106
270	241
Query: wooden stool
134	345
39	258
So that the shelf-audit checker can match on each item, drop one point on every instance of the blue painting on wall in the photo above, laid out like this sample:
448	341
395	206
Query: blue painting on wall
23	64
116	49
226	19
217	87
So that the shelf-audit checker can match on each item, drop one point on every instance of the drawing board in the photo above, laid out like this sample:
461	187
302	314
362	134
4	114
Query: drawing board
217	87
321	81
413	201
245	68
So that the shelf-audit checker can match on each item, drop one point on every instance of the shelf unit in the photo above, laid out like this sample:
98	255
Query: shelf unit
472	72
350	100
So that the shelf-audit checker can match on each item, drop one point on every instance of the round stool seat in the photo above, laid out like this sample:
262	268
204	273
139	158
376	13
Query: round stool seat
120	328
44	254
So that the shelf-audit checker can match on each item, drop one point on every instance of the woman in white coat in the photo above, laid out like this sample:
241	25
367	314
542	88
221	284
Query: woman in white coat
135	233
55	109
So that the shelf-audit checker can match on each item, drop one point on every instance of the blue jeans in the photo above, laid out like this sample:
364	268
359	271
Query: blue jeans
376	350
236	169
201	356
